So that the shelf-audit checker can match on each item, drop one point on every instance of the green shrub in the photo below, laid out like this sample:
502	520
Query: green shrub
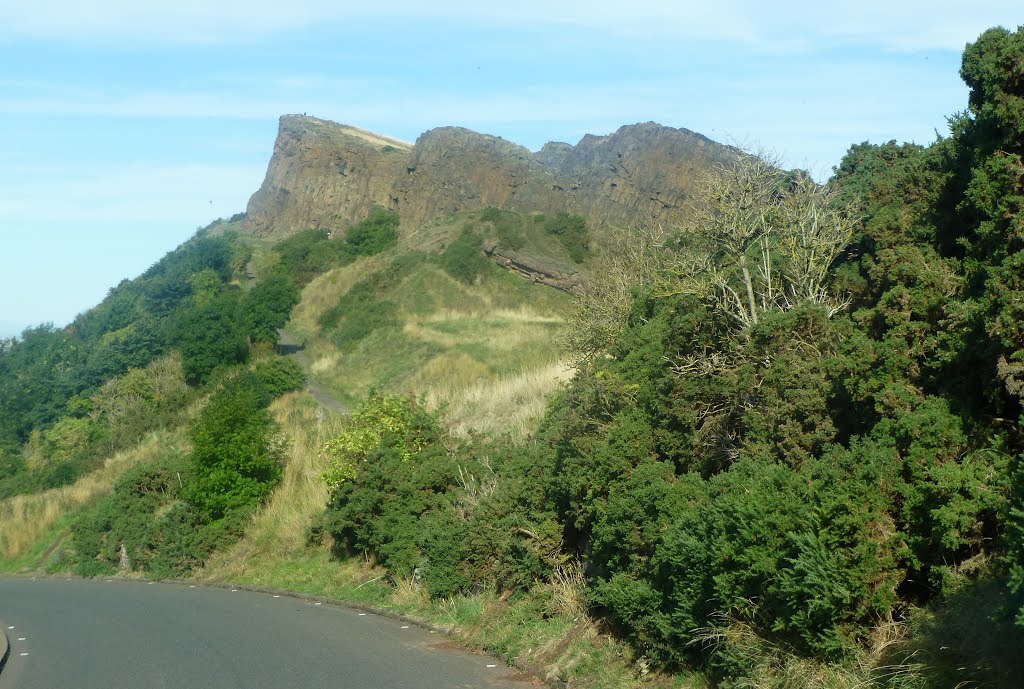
375	234
308	253
571	231
210	336
464	260
236	459
267	306
280	374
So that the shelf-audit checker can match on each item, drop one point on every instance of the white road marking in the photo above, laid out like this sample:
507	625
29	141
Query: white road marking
24	654
21	638
362	614
317	603
11	627
492	665
405	626
277	596
234	590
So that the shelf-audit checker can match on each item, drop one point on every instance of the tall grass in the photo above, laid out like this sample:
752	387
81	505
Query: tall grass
511	404
485	352
25	519
322	294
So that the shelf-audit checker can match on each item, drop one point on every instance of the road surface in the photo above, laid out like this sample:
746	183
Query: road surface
99	634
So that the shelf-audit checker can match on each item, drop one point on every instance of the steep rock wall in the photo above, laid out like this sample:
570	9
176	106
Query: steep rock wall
327	175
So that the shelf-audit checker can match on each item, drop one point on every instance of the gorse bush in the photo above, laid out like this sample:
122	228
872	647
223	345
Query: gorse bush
793	432
168	516
236	458
380	419
571	231
308	253
406	493
464	259
375	234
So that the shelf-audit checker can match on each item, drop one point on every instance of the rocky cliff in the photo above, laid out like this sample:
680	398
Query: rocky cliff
327	175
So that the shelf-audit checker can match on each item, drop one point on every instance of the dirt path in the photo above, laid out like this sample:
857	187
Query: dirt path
290	346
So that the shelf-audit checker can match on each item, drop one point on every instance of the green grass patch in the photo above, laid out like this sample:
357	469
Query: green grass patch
37	558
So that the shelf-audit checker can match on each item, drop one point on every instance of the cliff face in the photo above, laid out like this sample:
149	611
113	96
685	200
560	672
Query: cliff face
327	175
641	173
324	175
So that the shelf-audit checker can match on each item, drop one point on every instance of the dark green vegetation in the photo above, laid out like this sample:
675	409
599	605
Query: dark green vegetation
166	517
790	447
132	365
308	253
571	231
70	397
802	440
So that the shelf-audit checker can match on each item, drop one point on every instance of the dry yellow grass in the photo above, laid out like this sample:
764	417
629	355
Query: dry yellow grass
511	404
24	519
322	294
521	315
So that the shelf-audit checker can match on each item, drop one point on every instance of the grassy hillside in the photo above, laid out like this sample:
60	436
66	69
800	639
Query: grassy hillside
482	348
789	454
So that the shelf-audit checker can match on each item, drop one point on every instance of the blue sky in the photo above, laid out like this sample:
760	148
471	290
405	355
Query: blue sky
127	125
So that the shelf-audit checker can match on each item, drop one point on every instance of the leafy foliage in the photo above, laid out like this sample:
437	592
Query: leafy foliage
308	253
463	259
236	457
166	517
375	234
571	231
739	452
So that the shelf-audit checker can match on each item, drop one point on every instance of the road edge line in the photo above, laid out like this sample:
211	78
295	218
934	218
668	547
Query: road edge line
447	631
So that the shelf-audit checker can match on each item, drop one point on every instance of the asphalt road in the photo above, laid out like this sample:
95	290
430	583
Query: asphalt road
96	634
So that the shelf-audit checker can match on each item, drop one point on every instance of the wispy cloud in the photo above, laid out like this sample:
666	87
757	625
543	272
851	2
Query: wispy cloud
904	25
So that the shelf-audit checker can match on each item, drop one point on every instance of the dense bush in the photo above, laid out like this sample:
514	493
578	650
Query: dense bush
308	253
146	515
464	260
375	234
280	374
571	231
170	515
236	457
410	496
267	306
507	227
210	336
776	466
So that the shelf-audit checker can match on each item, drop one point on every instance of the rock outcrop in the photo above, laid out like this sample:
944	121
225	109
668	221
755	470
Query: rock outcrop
324	175
327	175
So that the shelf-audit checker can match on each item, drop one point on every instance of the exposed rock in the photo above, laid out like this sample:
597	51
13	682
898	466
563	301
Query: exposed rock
324	175
327	175
541	269
452	169
642	173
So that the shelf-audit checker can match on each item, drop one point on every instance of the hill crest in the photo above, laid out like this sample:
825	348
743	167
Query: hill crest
328	175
